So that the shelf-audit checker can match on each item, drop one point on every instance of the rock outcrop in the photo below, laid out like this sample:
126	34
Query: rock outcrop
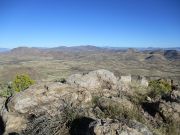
40	98
93	95
94	80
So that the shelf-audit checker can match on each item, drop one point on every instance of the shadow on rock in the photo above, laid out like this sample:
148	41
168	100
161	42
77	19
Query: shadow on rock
151	108
81	126
2	126
13	133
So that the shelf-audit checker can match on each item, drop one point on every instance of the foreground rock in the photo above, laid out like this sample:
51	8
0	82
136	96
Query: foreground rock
42	106
40	98
170	109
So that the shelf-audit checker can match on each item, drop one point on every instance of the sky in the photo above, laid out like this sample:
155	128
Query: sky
116	23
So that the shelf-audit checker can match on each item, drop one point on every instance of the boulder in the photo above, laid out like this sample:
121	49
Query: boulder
48	97
94	80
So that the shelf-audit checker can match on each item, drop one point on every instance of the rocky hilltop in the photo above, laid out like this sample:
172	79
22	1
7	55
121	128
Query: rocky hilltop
96	103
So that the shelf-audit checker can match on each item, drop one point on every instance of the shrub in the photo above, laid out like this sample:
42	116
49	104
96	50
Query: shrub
45	124
116	111
158	88
22	82
139	93
71	113
6	89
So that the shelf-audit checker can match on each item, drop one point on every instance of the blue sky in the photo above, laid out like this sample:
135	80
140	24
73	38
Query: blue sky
123	23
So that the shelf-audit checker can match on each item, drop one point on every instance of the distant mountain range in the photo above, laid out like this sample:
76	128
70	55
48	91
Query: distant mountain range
91	47
4	49
153	54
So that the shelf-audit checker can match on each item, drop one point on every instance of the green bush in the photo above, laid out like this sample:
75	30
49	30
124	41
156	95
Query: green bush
158	88
22	82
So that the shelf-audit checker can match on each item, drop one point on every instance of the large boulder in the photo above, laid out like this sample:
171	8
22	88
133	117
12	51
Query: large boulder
94	80
49	98
41	96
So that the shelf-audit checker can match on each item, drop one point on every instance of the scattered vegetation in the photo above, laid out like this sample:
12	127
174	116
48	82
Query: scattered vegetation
22	82
6	89
59	124
158	88
46	125
119	112
71	113
95	100
155	90
116	111
172	128
139	93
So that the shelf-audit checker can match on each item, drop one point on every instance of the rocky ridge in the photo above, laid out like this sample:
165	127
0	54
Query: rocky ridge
96	103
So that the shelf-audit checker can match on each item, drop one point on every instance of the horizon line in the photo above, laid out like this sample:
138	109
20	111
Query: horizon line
23	46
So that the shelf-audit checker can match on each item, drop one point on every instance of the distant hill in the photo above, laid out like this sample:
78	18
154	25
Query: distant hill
23	51
90	48
172	54
63	52
155	58
76	48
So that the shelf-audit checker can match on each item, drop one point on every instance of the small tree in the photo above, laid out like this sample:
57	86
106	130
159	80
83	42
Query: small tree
22	82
